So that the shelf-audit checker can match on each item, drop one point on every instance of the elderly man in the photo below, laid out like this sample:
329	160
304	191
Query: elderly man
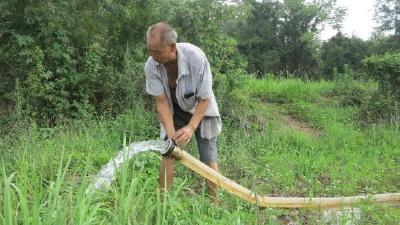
179	76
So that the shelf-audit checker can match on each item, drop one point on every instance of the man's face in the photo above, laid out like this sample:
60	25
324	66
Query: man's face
161	53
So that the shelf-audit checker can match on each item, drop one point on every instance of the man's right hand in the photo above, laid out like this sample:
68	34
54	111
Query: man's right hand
183	135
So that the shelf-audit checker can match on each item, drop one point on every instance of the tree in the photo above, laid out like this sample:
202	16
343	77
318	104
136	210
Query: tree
387	15
341	50
203	23
258	37
282	36
301	23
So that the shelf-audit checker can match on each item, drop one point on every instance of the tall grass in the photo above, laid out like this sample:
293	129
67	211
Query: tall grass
46	179
47	182
287	90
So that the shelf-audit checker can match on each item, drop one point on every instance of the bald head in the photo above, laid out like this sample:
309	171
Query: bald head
161	43
162	31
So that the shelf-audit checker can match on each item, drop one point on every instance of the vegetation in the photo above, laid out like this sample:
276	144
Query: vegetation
302	117
55	67
385	103
297	143
284	35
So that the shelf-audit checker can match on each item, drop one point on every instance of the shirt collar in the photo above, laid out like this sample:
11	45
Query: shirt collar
182	64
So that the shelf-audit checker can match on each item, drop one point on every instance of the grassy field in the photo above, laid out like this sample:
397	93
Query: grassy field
281	138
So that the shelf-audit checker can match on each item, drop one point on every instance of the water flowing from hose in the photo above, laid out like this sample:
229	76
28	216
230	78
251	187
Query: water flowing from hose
108	171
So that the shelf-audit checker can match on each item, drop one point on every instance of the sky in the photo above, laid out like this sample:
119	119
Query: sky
358	21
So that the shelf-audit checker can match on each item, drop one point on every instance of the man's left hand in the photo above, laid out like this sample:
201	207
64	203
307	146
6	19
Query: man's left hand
183	135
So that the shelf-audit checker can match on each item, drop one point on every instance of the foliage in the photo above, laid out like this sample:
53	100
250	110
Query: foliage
387	33
284	35
226	87
70	67
298	35
339	51
386	102
380	109
351	91
92	63
387	14
386	70
262	48
200	23
380	45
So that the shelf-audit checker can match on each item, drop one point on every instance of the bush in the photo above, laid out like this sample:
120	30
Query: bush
351	92
386	70
225	86
385	104
380	108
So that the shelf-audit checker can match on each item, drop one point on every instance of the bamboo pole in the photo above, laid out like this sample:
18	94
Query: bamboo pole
279	202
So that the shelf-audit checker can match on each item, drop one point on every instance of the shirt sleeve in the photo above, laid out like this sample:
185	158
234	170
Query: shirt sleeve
154	84
204	87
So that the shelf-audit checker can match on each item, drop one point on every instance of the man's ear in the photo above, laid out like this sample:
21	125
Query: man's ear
173	46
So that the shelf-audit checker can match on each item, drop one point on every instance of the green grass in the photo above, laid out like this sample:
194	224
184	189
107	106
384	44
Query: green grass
287	90
45	178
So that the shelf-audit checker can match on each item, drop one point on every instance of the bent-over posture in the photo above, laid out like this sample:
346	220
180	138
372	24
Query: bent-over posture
179	76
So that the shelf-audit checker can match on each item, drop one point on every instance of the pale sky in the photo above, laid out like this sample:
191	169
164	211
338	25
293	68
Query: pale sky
358	20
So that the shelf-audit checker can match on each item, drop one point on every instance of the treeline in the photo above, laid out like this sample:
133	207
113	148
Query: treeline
282	37
76	59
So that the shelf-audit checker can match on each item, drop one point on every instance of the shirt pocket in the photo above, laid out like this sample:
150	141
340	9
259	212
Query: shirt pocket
189	99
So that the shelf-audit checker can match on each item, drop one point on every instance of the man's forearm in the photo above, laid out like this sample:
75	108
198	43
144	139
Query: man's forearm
165	115
199	112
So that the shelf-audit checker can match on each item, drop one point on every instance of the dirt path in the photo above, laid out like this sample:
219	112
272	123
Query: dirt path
296	124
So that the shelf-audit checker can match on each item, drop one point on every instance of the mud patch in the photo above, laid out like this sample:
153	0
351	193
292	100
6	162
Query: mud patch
296	124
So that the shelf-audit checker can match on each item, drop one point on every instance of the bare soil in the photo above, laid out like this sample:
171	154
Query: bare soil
298	125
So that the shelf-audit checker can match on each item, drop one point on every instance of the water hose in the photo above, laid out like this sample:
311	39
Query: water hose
279	202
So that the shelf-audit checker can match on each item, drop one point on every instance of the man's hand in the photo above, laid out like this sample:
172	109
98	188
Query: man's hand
183	135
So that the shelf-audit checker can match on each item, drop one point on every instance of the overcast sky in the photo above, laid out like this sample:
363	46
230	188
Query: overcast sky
358	21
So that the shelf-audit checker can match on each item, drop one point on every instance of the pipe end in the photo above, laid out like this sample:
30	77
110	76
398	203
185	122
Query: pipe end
170	148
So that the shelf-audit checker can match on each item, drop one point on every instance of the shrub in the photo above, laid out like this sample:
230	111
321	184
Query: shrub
386	70
385	104
225	86
350	91
380	108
